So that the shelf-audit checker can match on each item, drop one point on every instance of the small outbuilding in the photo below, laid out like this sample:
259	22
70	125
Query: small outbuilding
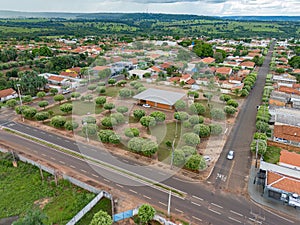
159	98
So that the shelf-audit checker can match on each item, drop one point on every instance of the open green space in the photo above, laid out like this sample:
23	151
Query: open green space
112	91
272	154
23	189
104	205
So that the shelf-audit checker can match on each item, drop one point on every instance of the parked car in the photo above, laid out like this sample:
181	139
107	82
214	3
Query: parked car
230	155
146	105
281	140
207	158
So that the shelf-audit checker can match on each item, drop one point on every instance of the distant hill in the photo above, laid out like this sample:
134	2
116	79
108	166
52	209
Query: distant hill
263	18
19	14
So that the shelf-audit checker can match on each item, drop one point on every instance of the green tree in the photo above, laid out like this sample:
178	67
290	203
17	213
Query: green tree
135	144
125	93
104	73
195	162
88	97
108	106
244	93
178	158
20	108
71	125
139	113
122	109
146	213
202	130
224	97
262	146
41	94
100	100
262	126
149	148
29	112
188	150
66	108
181	116
101	218
217	114
261	136
114	139
119	117
109	122
191	139
208	95
104	135
92	87
100	90
58	121
148	121
195	119
27	98
193	93
11	103
198	108
53	91
180	105
43	104
89	119
33	217
229	110
59	98
89	128
131	132
111	81
233	103
41	116
158	116
75	95
215	129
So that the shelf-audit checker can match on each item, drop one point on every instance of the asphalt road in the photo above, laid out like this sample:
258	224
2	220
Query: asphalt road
232	175
200	205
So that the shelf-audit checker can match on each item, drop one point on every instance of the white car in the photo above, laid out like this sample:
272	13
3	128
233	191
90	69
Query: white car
281	140
207	158
146	105
230	155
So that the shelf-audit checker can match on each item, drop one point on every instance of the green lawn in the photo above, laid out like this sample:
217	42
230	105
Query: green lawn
22	186
213	104
104	205
79	108
272	154
164	133
112	91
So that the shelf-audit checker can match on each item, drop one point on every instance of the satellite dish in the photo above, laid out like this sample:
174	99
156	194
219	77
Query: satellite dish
295	195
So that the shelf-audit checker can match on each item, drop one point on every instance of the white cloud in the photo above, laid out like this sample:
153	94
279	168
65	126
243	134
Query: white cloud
198	7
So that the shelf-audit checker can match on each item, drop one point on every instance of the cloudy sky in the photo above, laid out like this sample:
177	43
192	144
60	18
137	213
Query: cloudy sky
198	7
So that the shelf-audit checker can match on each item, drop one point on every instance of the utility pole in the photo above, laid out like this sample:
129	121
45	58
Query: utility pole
21	103
172	156
256	153
169	203
86	131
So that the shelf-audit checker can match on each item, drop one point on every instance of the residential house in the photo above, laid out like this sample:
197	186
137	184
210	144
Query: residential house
247	65
137	73
226	71
208	60
8	94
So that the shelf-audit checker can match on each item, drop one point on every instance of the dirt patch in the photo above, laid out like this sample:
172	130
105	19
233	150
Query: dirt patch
41	203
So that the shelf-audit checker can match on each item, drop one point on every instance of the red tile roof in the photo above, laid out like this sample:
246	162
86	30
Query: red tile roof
56	78
276	180
289	90
7	92
100	68
208	60
224	70
296	71
191	81
69	74
156	69
185	76
287	132
247	64
290	158
174	79
75	69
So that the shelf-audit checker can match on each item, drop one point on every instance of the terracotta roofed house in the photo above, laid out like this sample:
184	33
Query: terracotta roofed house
247	64
224	70
7	94
208	60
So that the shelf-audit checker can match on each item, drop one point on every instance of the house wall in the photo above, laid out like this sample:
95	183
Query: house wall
159	105
3	99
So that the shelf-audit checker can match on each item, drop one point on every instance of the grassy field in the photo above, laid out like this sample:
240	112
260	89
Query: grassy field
104	204
22	188
272	154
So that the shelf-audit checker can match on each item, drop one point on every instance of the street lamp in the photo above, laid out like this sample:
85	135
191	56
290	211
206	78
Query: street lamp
86	131
21	103
172	157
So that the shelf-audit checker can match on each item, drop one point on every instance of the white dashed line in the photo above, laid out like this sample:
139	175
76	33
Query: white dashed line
148	168
94	175
259	222
194	203
125	161
214	211
43	132
106	180
27	128
133	191
44	154
35	151
162	203
50	135
58	138
62	162
236	213
83	171
72	166
67	141
196	218
201	199
178	210
162	173
52	158
234	219
94	150
146	197
221	207
119	185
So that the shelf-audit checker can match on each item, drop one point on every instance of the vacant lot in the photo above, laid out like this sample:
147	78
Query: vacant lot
22	189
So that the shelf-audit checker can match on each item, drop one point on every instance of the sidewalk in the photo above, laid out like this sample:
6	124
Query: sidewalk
256	194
